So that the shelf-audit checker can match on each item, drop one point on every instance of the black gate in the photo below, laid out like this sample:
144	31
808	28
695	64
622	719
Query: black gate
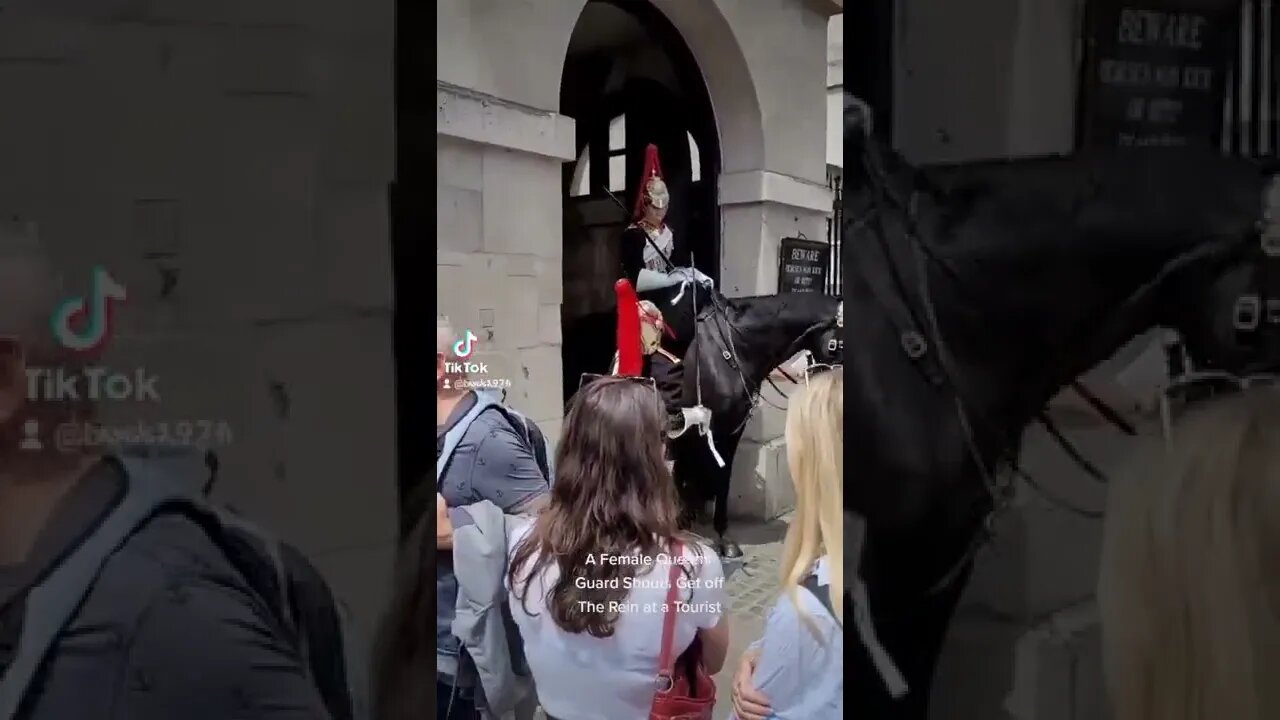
835	238
1252	108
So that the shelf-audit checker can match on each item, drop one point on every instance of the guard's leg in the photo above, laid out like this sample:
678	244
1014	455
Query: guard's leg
668	376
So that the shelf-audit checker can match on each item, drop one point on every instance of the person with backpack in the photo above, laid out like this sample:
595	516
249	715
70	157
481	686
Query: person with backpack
484	452
796	670
123	596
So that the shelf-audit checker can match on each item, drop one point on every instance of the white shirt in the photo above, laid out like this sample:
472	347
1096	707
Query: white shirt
580	677
663	239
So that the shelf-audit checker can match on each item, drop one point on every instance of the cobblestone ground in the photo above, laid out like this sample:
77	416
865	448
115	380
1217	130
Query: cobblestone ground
752	586
752	581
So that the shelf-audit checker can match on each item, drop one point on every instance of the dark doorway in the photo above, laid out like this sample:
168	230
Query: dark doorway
629	80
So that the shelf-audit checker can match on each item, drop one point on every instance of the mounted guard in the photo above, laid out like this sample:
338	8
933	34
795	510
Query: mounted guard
648	245
640	354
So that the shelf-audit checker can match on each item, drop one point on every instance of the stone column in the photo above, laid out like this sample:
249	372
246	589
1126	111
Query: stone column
758	209
499	236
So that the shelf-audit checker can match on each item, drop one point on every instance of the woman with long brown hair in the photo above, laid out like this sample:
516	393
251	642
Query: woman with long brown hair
588	578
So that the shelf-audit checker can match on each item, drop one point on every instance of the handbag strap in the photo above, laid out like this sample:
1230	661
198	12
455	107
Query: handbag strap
666	657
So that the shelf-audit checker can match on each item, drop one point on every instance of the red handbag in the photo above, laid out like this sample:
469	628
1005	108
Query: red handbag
685	690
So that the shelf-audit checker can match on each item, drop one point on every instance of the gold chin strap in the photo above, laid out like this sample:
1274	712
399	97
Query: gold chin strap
664	353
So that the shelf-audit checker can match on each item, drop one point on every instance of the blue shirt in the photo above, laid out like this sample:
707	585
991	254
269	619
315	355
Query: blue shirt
800	671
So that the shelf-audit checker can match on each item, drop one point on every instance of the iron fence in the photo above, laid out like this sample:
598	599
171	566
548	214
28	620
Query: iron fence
1251	106
835	238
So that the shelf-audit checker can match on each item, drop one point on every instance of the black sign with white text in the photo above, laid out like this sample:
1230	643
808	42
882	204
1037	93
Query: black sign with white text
803	265
1156	73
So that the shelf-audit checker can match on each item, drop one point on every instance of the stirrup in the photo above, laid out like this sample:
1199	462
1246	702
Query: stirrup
1273	311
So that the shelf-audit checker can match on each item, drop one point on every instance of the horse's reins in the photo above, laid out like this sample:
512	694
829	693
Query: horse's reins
1000	492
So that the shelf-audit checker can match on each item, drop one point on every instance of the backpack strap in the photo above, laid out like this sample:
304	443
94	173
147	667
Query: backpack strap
527	431
52	604
811	584
484	401
270	546
534	440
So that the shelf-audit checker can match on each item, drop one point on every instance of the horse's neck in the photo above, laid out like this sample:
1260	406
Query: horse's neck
1049	314
777	325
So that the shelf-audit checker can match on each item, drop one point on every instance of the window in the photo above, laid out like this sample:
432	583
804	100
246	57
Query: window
616	157
618	154
695	160
581	185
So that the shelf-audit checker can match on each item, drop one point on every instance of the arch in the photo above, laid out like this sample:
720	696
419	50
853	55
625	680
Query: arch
728	79
631	79
704	30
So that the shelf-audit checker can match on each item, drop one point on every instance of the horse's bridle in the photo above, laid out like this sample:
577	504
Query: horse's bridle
919	333
719	317
1260	308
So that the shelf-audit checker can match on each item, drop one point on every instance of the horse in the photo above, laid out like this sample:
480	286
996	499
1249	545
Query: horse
729	346
976	298
736	344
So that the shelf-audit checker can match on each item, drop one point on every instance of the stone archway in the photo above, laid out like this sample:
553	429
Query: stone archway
632	77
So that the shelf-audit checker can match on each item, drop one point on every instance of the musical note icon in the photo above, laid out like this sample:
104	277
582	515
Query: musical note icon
464	347
94	314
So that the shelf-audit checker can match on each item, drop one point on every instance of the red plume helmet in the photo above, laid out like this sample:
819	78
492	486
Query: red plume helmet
630	355
652	171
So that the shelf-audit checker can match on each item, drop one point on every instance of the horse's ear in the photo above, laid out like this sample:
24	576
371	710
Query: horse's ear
858	119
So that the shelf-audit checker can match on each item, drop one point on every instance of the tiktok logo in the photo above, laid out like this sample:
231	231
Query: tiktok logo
92	315
464	347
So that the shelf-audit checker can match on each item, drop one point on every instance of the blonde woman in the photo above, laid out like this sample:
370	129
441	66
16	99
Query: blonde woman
796	670
1189	589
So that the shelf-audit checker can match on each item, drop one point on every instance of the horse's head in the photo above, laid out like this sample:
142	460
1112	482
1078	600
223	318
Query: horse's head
778	327
1228	310
826	344
858	121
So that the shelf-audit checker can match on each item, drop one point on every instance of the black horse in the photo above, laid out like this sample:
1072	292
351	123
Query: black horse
736	344
729	347
975	299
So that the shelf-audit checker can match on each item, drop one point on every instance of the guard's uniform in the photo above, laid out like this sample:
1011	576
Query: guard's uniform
647	253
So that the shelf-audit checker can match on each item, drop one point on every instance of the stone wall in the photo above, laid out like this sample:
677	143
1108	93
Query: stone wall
987	79
228	163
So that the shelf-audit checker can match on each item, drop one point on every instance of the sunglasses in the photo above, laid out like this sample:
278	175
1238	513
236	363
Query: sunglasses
1203	385
588	378
818	369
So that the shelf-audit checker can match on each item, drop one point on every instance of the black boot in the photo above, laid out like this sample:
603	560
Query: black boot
727	548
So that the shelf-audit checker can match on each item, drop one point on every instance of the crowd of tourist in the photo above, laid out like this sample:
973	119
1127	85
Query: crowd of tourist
615	610
563	585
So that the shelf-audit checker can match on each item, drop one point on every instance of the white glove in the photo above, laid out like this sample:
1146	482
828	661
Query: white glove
696	416
693	417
